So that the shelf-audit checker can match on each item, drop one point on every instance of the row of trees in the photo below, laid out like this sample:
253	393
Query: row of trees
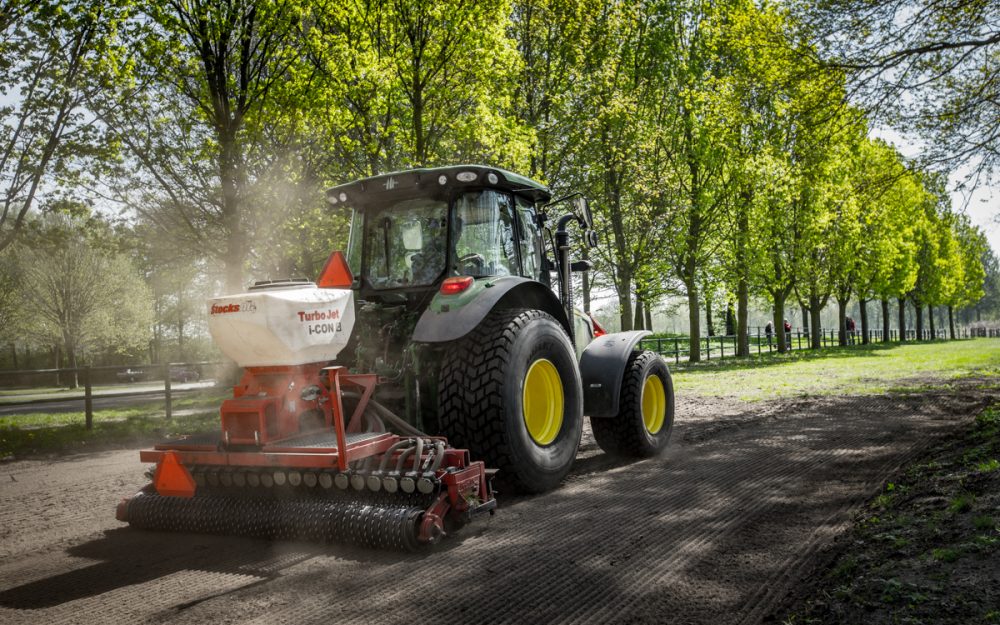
716	145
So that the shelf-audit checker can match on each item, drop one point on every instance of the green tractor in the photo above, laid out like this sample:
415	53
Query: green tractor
456	272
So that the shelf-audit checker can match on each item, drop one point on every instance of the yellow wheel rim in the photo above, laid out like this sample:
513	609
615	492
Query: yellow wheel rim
542	401
654	404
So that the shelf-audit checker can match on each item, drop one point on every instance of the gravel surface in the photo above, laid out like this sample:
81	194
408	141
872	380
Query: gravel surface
718	530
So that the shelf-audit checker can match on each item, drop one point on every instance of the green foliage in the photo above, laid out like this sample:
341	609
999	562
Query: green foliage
53	56
77	293
712	138
961	503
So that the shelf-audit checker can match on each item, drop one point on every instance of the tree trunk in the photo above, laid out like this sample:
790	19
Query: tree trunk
647	309
57	363
730	319
863	303
902	319
930	320
625	301
231	177
708	317
805	318
920	320
885	320
842	321
951	322
743	319
180	338
419	141
71	356
694	320
639	317
814	322
779	323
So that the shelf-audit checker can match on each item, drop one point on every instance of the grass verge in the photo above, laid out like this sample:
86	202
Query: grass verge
926	549
851	370
28	434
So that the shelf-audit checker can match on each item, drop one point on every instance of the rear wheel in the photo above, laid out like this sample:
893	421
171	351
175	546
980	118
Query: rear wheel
645	417
510	393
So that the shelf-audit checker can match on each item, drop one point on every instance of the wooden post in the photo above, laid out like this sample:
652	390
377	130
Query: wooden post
166	390
88	398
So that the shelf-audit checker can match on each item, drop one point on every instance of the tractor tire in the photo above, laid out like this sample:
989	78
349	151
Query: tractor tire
510	393
645	417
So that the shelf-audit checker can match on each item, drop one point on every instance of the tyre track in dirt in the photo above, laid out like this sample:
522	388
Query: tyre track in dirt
716	531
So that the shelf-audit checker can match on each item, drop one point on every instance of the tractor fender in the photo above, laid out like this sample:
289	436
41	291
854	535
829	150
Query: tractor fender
451	317
602	369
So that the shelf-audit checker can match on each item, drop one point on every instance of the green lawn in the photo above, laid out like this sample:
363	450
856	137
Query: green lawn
32	433
858	369
15	393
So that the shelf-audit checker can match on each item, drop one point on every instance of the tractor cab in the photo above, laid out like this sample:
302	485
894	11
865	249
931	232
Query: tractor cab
411	230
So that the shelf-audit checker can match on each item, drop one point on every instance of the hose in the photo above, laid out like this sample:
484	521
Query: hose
388	454
417	456
438	456
402	459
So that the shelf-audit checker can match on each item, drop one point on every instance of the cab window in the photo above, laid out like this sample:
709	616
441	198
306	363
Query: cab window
483	232
530	237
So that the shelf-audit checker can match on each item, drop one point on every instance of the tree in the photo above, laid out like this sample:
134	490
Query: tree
890	265
968	281
54	57
622	161
553	38
79	295
989	304
11	313
214	70
926	63
411	83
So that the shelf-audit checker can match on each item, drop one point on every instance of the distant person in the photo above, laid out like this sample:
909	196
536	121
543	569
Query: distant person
788	334
850	330
769	332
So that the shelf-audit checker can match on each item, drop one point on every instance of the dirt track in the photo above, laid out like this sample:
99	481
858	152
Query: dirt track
716	531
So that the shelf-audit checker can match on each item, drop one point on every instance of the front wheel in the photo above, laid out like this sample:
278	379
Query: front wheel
510	393
645	418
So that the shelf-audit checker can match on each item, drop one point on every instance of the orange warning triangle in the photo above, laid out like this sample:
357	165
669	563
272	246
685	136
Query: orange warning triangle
336	273
172	479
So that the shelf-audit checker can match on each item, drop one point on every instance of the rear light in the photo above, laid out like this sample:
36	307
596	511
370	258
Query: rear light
598	330
456	284
336	274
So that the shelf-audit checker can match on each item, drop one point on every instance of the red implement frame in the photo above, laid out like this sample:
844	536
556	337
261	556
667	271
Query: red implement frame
465	484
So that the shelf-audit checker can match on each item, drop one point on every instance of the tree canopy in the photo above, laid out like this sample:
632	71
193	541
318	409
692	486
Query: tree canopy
726	146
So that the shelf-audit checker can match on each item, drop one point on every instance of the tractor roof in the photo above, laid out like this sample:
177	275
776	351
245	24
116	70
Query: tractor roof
434	179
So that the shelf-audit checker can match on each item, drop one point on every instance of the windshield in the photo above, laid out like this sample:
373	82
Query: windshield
405	243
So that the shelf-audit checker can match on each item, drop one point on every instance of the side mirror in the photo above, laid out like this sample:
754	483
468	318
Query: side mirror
582	208
591	238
